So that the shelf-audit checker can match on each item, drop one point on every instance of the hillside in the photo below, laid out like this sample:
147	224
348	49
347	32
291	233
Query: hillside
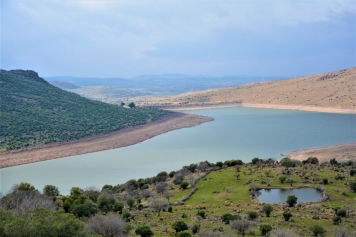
334	89
63	85
33	112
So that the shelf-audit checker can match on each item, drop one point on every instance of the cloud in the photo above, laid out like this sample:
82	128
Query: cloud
106	38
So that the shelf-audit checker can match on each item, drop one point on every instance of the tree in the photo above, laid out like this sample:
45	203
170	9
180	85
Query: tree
23	186
144	231
184	185
130	202
161	187
291	200
108	226
118	206
104	203
252	215
132	105
287	216
179	226
50	190
353	186
317	230
282	179
158	204
265	229
333	161
241	226
146	193
311	160
267	208
168	194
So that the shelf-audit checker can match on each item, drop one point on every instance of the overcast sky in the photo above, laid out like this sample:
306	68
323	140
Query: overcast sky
129	38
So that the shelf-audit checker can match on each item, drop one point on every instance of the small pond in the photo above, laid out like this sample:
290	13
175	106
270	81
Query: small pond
275	196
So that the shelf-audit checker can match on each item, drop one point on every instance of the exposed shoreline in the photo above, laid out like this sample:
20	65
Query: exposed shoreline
267	106
341	152
122	138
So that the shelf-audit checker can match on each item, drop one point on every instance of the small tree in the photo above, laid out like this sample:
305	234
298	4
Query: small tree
161	187
50	190
110	225
132	105
282	179
144	231
184	185
179	226
267	208
252	215
118	206
241	226
287	216
130	202
333	161
291	200
168	194
265	229
158	204
317	230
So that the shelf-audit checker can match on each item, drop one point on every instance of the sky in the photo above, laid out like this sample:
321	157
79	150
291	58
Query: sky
126	38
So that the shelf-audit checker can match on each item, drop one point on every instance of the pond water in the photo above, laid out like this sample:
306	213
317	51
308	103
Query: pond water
275	196
236	133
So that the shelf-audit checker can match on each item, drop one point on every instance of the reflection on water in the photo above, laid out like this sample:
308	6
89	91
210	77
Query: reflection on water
275	196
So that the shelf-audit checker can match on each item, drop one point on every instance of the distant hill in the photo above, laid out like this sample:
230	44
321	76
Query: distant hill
33	112
63	85
334	89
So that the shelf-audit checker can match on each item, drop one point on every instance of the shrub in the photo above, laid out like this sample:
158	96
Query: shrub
170	209
282	179
341	212
311	160
179	226
265	229
118	206
267	208
353	186
325	181
291	200
202	214
252	215
336	220
352	172
317	230
227	217
184	185
144	231
195	228
287	216
183	234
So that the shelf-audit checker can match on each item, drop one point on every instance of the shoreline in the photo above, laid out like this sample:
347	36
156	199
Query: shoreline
341	152
118	139
266	106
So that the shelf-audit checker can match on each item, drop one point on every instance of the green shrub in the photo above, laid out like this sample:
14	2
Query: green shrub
144	231
265	229
179	226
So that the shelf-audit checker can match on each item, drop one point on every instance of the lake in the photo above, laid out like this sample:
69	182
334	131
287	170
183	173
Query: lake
275	196
236	133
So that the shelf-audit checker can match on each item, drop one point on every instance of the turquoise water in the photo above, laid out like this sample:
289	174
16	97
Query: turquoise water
275	196
236	133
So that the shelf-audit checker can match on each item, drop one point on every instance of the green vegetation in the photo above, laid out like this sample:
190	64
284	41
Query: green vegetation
33	112
217	204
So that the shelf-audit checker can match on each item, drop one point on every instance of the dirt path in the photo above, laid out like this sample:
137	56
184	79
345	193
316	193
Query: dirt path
114	140
341	153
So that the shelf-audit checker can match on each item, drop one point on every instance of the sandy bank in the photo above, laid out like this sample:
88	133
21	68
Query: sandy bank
342	152
114	140
267	106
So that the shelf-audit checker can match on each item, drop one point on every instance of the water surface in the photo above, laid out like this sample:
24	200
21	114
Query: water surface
275	196
236	133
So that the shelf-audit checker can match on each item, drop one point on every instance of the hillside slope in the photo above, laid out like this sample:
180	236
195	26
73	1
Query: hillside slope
33	112
334	89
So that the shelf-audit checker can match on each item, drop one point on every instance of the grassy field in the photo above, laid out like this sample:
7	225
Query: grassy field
223	192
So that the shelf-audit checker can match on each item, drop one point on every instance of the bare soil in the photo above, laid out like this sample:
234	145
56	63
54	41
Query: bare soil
113	140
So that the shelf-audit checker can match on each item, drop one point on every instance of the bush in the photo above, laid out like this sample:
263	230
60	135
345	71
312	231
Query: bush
291	200
325	181
311	160
170	209
287	216
286	162
341	212
202	214
50	190
267	208
183	234
352	172
353	186
184	185
227	217
282	179
336	220
265	229
317	230
144	231
195	228
252	215
179	226
118	206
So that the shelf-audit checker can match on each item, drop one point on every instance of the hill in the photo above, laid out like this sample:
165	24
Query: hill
33	112
334	89
63	85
